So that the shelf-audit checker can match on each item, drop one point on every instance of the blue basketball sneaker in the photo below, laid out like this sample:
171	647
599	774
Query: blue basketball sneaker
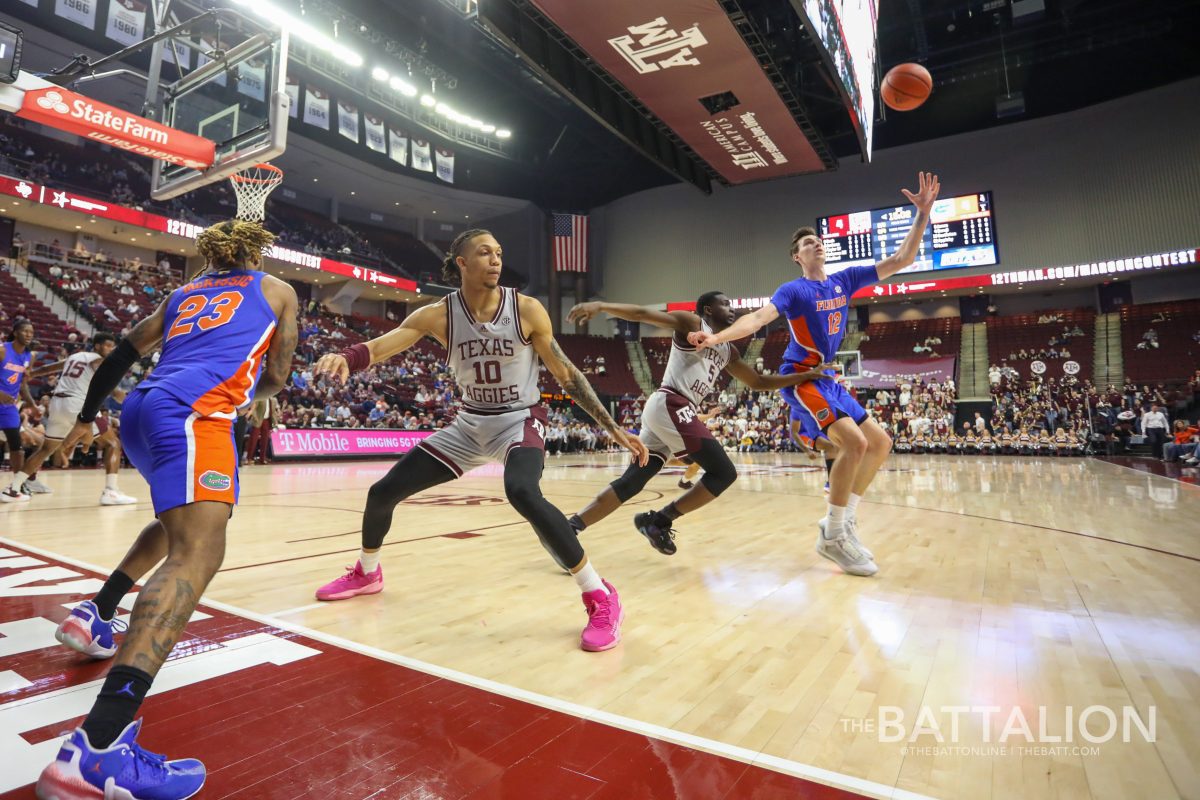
84	631
122	770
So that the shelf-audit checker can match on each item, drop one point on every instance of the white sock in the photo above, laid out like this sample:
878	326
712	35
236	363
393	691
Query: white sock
852	506
110	481
589	580
837	522
18	481
369	561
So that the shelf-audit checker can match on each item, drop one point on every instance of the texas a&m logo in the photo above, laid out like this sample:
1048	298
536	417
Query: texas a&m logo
658	46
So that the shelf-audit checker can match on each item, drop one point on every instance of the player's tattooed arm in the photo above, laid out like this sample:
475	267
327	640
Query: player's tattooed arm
576	385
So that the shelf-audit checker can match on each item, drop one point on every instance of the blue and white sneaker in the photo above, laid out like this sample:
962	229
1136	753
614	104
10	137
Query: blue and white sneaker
122	770
84	632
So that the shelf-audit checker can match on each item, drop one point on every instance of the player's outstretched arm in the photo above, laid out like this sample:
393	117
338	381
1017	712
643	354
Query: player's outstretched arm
761	383
927	191
744	326
679	321
429	320
571	379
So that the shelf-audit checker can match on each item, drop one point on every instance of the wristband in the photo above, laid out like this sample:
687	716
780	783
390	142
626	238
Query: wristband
357	357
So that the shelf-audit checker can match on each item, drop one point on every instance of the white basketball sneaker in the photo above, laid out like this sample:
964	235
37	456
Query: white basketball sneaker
851	528
112	497
846	554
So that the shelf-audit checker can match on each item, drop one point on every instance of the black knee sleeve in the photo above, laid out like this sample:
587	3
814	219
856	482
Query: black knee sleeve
522	476
635	477
415	472
719	471
13	437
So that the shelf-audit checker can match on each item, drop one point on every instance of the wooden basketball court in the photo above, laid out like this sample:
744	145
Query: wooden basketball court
1051	591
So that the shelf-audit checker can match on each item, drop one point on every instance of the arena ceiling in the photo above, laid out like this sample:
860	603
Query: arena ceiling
1067	55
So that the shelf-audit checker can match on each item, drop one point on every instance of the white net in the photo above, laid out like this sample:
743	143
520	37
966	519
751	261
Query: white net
252	185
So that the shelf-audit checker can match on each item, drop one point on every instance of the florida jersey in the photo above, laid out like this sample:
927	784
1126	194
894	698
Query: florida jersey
216	331
817	311
12	369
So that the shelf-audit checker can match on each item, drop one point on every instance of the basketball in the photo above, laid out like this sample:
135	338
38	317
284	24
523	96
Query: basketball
906	86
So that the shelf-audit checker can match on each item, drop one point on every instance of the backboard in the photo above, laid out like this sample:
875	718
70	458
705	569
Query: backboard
850	363
226	84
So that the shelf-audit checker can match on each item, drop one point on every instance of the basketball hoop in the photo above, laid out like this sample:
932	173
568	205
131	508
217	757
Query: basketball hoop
252	185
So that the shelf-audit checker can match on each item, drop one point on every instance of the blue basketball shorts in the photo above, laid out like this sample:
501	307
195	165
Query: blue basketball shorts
186	458
821	402
10	416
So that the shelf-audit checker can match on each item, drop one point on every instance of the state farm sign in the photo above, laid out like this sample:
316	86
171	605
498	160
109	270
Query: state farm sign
65	110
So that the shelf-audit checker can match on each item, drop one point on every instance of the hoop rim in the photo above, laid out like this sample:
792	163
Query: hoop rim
242	177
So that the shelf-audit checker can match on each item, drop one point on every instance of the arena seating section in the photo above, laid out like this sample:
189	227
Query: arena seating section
897	339
48	328
618	379
1178	352
1007	335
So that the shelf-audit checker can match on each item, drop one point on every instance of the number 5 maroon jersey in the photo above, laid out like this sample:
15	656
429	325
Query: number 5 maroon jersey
216	331
494	365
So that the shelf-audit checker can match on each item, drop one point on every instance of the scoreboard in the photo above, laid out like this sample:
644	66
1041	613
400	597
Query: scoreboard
961	233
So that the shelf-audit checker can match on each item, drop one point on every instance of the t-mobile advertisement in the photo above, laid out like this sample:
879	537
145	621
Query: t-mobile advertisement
342	442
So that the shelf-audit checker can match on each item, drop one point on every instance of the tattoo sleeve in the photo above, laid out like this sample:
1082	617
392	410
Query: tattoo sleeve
581	391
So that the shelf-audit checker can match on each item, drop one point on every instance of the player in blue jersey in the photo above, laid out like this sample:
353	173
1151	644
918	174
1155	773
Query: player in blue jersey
816	306
14	363
177	428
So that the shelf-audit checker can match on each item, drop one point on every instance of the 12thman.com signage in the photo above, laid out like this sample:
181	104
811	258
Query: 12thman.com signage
343	442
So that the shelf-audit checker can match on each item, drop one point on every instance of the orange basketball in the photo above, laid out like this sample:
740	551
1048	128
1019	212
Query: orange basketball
906	86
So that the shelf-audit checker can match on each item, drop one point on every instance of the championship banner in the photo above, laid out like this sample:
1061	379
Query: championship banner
343	442
398	146
421	159
348	121
126	21
316	107
74	113
171	48
688	64
293	92
884	373
445	165
252	79
376	138
81	12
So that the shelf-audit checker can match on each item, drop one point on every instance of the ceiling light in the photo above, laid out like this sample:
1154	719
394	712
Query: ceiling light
315	180
352	193
397	203
442	109
77	227
475	123
488	128
404	87
466	216
434	212
379	74
303	31
503	133
428	101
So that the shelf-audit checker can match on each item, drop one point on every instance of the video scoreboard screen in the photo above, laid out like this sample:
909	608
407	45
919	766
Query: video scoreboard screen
961	233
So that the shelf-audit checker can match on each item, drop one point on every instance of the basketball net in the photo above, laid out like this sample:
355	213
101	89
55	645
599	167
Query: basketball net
251	186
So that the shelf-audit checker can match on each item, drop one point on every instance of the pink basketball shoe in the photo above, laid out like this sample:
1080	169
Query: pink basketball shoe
354	582
605	614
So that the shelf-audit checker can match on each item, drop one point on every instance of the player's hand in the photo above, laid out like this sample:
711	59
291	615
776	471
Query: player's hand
583	312
334	365
79	431
927	191
634	445
817	372
701	339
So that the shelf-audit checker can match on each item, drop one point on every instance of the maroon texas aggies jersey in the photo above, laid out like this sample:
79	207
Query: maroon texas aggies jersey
495	366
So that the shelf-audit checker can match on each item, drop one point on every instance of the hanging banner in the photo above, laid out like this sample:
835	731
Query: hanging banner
81	12
252	79
316	107
688	64
887	372
348	121
445	165
293	93
375	134
398	146
208	46
126	21
421	159
174	48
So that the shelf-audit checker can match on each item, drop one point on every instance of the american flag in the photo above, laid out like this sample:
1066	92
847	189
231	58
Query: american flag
570	242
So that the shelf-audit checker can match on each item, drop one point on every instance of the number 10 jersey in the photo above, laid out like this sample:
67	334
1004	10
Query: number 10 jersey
494	365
